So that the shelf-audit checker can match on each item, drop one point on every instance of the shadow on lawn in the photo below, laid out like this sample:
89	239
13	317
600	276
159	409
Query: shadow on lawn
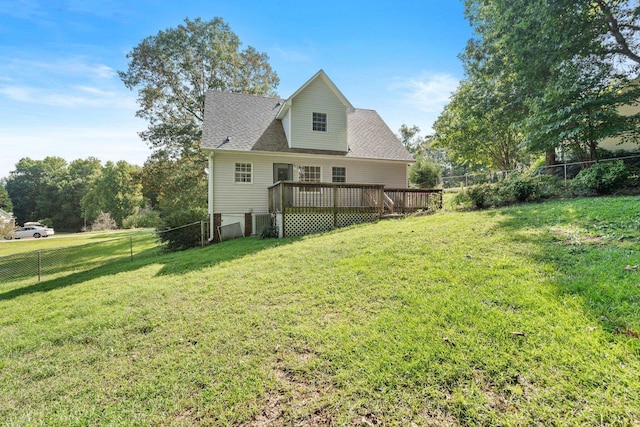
176	263
594	248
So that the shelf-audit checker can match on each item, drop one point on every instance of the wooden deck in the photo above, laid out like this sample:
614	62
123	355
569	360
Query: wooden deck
307	197
305	207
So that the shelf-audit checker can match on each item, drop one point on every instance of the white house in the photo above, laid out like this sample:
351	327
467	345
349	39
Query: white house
255	145
6	217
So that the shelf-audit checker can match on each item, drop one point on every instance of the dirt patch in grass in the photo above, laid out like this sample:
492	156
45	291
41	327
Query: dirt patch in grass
297	400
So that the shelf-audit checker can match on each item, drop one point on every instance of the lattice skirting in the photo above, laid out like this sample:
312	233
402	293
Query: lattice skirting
308	223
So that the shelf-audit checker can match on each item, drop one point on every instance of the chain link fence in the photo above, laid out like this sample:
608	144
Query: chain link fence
562	171
51	263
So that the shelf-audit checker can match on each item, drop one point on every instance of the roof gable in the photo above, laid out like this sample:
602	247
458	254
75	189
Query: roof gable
319	75
241	122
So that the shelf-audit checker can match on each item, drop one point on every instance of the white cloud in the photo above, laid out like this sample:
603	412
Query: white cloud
429	92
73	96
77	66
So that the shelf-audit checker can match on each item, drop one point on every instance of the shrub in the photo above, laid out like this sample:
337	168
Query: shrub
424	173
482	195
143	218
269	232
526	188
603	178
181	229
6	228
103	222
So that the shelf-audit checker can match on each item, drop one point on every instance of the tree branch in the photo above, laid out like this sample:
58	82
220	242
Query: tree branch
616	32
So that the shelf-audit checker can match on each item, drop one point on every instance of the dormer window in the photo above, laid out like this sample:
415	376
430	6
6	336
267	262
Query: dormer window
319	122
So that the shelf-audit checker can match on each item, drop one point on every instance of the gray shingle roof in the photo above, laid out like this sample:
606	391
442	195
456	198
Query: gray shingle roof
235	121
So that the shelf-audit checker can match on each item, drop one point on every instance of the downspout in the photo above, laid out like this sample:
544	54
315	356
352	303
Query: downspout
210	197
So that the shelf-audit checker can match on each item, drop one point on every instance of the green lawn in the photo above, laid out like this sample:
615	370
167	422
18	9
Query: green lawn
521	316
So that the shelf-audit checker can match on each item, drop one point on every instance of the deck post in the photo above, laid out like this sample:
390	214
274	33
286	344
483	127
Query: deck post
335	207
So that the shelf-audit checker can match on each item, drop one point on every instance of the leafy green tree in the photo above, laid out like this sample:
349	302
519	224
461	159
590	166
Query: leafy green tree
24	185
559	62
580	108
115	191
410	138
5	201
81	174
479	126
174	69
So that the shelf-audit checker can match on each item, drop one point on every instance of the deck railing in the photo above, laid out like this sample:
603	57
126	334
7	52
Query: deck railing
411	200
313	197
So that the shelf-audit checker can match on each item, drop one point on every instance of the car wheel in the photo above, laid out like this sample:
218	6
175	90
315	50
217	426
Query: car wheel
36	235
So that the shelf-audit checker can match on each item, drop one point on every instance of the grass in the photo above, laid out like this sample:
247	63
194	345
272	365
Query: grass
59	256
516	316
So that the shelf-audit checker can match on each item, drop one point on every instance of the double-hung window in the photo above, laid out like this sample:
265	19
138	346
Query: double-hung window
338	174
244	173
319	122
309	174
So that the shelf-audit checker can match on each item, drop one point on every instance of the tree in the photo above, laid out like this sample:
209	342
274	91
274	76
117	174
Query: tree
24	185
410	138
115	192
82	172
175	68
479	126
579	108
5	201
569	79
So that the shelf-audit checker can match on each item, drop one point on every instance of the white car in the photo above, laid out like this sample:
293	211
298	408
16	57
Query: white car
50	231
30	231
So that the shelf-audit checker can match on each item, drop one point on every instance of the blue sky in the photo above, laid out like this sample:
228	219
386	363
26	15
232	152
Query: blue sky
60	94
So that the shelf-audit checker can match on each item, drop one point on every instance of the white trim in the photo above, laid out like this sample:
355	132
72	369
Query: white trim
311	155
210	197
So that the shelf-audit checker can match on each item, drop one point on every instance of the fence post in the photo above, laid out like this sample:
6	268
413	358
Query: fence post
565	175
201	233
39	265
131	246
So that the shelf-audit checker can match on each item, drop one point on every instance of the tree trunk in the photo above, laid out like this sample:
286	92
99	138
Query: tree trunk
550	159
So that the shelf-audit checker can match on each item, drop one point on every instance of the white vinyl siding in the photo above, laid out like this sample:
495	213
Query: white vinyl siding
236	199
318	98
286	124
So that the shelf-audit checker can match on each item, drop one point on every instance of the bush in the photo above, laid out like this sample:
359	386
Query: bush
482	195
143	218
181	229
515	188
269	232
424	173
103	222
526	188
603	178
